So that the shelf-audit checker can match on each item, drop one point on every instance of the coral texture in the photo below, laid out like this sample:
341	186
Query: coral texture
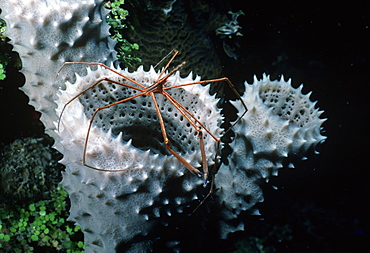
28	170
150	187
280	121
107	205
128	138
48	33
184	25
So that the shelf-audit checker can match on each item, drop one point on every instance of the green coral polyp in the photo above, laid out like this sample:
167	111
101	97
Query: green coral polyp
117	20
2	72
40	224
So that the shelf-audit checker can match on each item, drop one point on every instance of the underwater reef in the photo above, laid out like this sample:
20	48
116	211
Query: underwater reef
161	199
29	171
34	207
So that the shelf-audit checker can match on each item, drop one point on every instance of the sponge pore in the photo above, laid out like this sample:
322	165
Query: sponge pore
287	103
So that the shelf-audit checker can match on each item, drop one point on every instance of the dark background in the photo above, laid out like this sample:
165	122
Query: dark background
323	204
324	45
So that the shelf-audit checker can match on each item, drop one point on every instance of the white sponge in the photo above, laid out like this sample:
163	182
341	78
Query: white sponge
280	121
127	140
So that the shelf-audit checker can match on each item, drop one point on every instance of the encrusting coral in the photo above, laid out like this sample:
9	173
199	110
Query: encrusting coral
28	171
146	185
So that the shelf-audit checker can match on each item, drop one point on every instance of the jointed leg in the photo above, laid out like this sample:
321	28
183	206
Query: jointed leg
90	125
212	182
160	79
168	63
167	142
174	101
92	86
217	80
104	66
185	113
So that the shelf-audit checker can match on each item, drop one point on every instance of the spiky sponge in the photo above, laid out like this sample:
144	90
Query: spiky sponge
116	206
127	138
48	33
280	121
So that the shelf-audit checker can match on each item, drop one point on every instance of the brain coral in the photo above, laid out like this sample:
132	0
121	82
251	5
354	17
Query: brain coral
185	25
